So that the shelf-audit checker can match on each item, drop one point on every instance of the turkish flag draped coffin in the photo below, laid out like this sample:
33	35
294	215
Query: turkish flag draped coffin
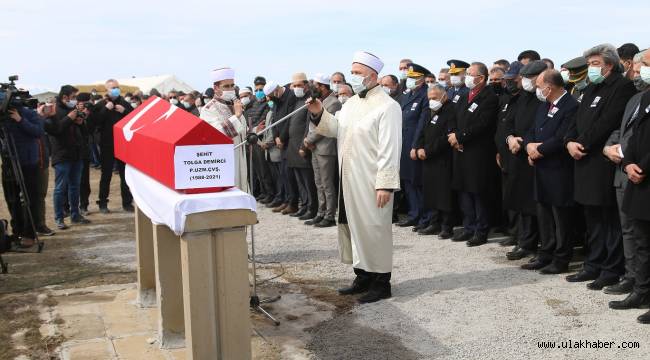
175	148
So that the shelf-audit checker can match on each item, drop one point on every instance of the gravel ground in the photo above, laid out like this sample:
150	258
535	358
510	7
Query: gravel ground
449	302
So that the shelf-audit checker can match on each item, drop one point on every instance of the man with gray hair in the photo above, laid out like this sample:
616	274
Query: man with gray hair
614	150
603	104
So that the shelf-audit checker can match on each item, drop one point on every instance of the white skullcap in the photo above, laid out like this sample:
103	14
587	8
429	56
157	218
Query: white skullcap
225	73
369	60
245	90
270	87
322	79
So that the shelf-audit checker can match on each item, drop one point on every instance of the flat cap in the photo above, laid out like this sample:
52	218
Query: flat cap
456	66
533	68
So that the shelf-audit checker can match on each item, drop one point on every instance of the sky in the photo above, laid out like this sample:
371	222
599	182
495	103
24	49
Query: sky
50	43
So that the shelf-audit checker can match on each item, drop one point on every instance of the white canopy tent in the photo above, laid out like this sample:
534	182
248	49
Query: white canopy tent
162	83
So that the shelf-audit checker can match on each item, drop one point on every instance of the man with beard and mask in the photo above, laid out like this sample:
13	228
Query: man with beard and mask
615	146
574	73
475	173
436	155
507	106
225	113
414	110
390	84
457	88
599	114
324	160
519	189
626	52
368	133
106	114
298	156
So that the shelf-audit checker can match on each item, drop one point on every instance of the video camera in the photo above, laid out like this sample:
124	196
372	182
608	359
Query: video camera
13	98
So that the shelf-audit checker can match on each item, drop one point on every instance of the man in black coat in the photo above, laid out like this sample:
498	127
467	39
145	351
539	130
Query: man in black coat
599	113
519	187
107	113
474	171
436	155
553	172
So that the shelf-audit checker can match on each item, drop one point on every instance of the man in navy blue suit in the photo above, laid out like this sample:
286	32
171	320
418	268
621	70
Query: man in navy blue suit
553	176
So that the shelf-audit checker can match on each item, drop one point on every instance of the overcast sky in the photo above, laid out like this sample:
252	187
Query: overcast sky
51	43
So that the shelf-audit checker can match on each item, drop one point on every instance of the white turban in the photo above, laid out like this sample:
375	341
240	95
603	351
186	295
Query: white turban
270	87
224	73
369	60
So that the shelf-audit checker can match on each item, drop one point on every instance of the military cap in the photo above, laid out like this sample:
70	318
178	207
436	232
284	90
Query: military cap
415	70
533	68
513	70
576	65
456	66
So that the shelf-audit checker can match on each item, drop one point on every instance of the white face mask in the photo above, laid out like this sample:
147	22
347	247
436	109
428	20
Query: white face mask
334	87
299	92
456	80
134	105
174	101
442	83
411	83
357	83
186	104
343	99
228	95
469	81
386	89
402	74
527	84
540	94
435	105
245	100
430	85
565	75
128	98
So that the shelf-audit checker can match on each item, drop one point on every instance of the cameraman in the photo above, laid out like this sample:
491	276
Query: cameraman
25	128
69	140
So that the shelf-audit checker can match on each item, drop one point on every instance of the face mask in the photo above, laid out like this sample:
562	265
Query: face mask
497	88
71	103
128	98
527	84
469	81
540	95
511	87
357	83
387	90
245	101
645	74
565	75
186	104
595	74
259	94
411	83
430	85
94	93
435	105
115	92
334	87
343	99
228	95
581	84
456	80
173	101
299	92
442	83
402	74
270	104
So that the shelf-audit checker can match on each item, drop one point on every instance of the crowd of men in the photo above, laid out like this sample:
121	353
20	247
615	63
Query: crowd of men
556	158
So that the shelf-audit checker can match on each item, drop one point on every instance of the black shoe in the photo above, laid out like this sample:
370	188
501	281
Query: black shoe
553	269
632	301
535	265
462	236
418	227
430	230
644	318
519	254
274	204
267	200
623	287
360	284
581	277
477	240
104	210
128	208
325	223
395	217
314	221
84	211
379	289
60	224
44	231
509	241
307	216
445	234
600	283
407	223
80	220
299	213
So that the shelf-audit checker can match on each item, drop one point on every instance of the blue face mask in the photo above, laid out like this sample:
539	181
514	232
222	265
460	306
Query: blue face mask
411	83
270	104
115	92
71	104
259	94
595	74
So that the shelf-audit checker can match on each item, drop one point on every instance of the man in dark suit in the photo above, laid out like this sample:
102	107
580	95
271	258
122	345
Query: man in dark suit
414	107
553	172
599	113
474	170
616	145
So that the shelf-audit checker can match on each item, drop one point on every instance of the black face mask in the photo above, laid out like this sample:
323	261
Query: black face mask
511	87
498	89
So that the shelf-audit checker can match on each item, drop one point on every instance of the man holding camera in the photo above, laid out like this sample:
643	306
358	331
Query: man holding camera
69	141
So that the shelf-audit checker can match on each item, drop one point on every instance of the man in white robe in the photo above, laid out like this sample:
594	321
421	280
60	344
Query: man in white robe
225	113
369	133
